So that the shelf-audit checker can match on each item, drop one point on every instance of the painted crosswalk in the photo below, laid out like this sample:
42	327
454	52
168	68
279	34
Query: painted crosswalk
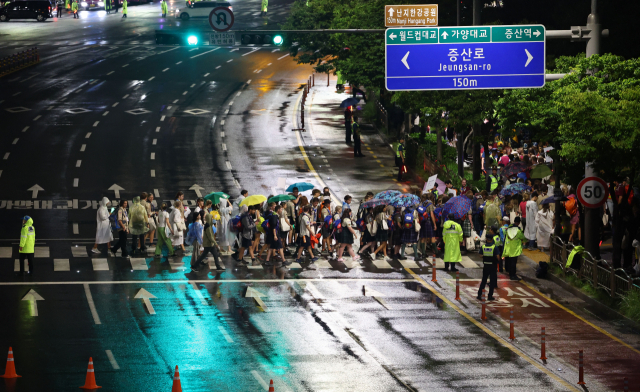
139	264
100	264
79	251
61	265
6	252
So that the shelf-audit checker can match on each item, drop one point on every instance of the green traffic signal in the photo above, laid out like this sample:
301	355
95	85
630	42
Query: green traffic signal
277	40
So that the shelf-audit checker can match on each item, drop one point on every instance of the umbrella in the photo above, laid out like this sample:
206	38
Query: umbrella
279	198
522	175
253	200
513	168
549	200
459	206
541	171
386	195
302	186
375	203
216	196
404	200
349	102
441	186
513	189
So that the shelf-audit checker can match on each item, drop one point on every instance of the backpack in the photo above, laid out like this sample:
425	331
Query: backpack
328	222
337	226
571	206
360	223
266	226
408	220
113	219
423	215
236	224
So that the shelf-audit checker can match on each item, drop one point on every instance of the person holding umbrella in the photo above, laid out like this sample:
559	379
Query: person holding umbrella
452	236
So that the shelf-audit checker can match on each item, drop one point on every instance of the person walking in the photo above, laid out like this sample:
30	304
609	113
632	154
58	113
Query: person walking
163	6
103	229
123	229
59	8
347	125
194	238
513	248
107	6
152	214
544	225
74	9
452	236
264	6
27	244
209	243
382	234
347	234
225	236
400	157
531	227
357	141
116	5
246	237
138	225
409	233
164	227
490	255
304	237
124	8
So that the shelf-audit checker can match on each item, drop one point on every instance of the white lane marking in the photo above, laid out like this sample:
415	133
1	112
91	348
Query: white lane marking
225	334
185	93
105	113
213	50
275	50
153	173
157	129
231	103
154	142
268	64
259	71
228	61
15	141
18	93
137	87
111	72
115	104
179	62
61	265
78	162
221	134
280	58
95	124
191	50
126	65
151	78
229	165
94	81
6	156
75	182
234	50
192	86
226	111
92	306
88	135
62	99
83	147
75	229
224	147
248	53
162	118
255	374
112	359
100	264
125	96
25	129
218	66
249	81
169	107
50	107
139	264
165	70
153	156
238	93
207	74
78	90
175	101
203	301
221	122
156	192
37	117
237	183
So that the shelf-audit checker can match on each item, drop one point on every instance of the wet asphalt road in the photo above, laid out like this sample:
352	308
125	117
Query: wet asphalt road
106	106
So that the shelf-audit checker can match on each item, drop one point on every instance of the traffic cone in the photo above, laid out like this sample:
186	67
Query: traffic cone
177	387
271	386
90	381
10	371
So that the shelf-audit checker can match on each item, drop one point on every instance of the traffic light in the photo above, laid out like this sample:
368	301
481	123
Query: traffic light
261	39
192	40
277	40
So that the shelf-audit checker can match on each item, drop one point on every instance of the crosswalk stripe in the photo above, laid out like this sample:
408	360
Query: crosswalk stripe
61	265
41	251
409	264
381	264
79	251
323	264
468	263
439	263
139	264
100	264
352	264
6	252
16	266
176	266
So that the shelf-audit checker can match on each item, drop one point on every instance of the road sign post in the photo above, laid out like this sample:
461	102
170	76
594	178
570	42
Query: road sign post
593	192
465	58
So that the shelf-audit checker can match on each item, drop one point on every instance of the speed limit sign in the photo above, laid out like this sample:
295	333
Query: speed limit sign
593	192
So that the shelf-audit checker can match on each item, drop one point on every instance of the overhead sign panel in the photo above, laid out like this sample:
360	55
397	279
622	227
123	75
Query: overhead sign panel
465	58
411	15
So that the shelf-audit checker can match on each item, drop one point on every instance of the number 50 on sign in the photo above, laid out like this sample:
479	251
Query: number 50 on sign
593	192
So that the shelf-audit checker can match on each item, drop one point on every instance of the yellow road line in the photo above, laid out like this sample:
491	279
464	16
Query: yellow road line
580	318
493	334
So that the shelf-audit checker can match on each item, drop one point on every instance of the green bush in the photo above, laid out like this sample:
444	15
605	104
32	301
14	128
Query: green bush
630	305
369	111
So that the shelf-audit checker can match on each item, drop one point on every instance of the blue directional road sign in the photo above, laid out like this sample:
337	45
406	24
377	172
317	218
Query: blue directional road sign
465	58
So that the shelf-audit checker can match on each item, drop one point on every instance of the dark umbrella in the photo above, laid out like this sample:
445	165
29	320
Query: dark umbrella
549	200
513	168
404	200
375	203
349	102
278	198
514	189
386	195
459	206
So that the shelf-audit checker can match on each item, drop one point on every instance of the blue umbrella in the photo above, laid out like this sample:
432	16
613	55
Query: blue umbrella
514	189
459	206
404	200
349	102
522	175
375	203
302	186
386	195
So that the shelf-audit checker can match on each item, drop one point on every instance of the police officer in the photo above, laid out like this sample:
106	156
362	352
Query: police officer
163	6
400	157
357	142
513	248
494	178
499	240
265	4
452	236
107	6
59	8
27	243
124	8
74	9
490	256
347	126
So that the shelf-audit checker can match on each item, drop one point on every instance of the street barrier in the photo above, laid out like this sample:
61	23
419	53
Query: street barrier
512	336
458	286
10	370
177	387
305	92
382	117
271	388
18	61
90	380
484	307
433	270
580	370
599	273
543	346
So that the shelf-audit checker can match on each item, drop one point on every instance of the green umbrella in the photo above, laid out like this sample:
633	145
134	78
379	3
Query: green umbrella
541	171
279	198
216	196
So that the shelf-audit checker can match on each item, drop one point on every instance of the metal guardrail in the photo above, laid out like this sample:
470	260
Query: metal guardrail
599	273
305	92
18	61
382	116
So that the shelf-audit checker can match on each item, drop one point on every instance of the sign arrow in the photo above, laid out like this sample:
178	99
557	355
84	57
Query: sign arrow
529	58
404	60
537	33
392	36
536	315
367	292
255	294
32	297
116	188
196	188
145	295
34	191
444	35
390	11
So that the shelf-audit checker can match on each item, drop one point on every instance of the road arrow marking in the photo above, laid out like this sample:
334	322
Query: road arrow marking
33	297
537	33
536	315
404	60
34	191
255	294
391	11
367	292
392	36
444	34
145	295
116	188
529	58
196	188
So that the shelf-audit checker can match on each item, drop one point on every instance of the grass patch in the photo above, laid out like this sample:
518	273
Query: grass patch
630	305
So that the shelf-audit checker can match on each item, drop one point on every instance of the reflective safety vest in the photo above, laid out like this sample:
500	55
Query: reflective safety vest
494	182
398	149
497	241
487	253
436	193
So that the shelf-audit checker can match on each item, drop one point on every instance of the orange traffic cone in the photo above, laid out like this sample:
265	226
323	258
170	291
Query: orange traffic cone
177	387
271	386
10	371
90	382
